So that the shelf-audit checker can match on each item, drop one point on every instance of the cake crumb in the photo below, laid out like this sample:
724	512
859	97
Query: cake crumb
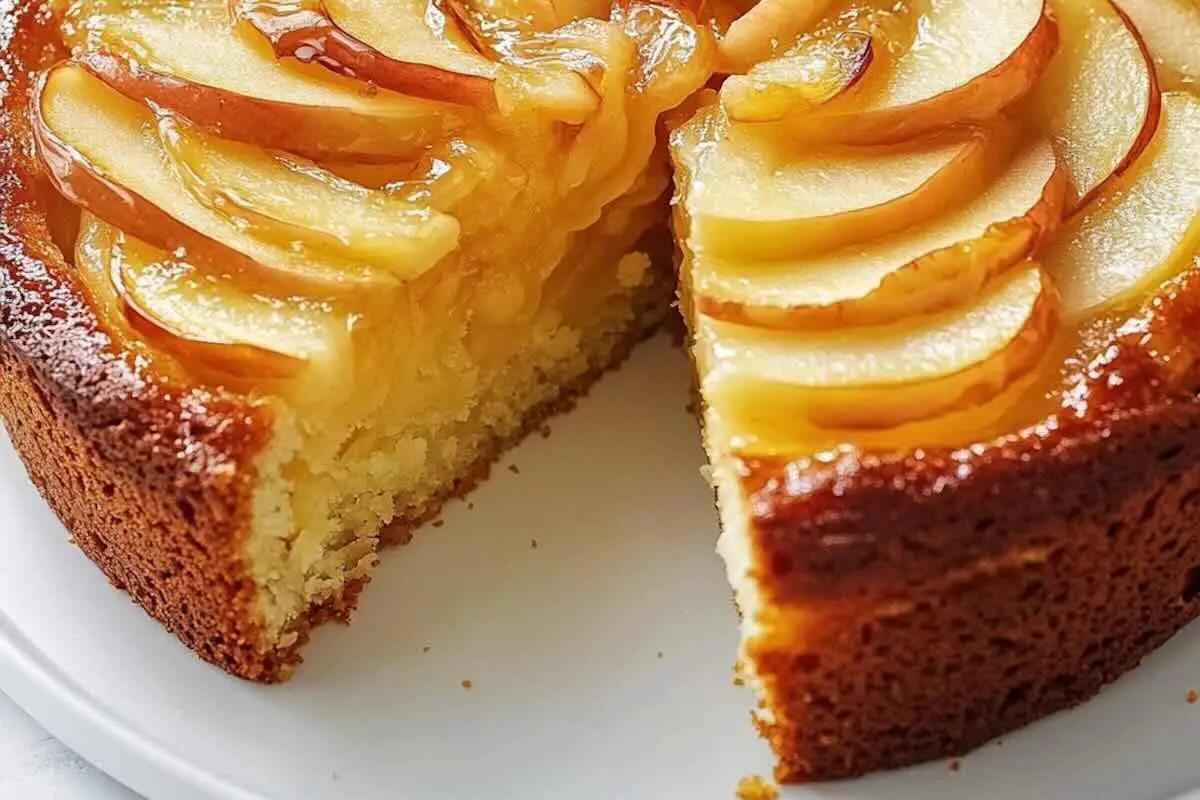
437	523
1193	696
466	683
738	680
533	544
756	787
470	506
544	430
514	469
955	765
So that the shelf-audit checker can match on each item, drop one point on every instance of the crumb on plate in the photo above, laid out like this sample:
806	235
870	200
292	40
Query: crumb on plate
756	787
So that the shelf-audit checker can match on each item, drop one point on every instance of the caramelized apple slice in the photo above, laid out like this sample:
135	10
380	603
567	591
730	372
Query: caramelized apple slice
814	73
879	377
189	60
103	153
1171	28
557	69
401	45
754	36
944	263
285	201
204	319
753	196
970	59
1099	98
1141	229
675	52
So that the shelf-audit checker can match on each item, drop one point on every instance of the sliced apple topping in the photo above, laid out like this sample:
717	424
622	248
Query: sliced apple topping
970	59
1140	230
189	59
881	376
674	53
1099	98
204	318
808	75
755	35
1171	28
753	195
412	47
103	153
945	262
273	196
403	46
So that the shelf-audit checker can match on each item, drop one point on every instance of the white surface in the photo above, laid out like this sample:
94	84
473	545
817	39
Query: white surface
34	766
571	697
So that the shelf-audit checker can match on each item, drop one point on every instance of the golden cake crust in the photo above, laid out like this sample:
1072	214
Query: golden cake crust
151	473
948	596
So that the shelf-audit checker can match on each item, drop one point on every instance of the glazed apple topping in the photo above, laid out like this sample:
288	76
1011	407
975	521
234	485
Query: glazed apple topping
195	60
337	161
895	211
1170	29
1099	99
942	263
900	248
1141	228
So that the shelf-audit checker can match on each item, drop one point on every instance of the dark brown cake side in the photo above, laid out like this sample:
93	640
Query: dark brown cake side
152	474
943	598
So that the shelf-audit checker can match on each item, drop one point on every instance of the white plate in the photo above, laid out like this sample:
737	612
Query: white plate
599	661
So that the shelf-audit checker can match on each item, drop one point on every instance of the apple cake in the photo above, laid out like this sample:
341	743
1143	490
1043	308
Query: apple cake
281	276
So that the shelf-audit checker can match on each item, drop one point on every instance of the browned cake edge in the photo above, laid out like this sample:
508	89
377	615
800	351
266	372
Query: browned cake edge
942	598
151	475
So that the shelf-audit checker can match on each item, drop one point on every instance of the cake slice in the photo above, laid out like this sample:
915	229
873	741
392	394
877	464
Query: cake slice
954	443
263	314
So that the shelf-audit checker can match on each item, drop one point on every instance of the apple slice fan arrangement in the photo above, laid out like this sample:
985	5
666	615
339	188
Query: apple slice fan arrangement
282	276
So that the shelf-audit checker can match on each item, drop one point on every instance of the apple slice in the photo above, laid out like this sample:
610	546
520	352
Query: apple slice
751	195
193	63
882	376
945	262
1141	229
544	63
674	52
205	319
401	45
103	153
1171	28
753	37
1099	99
284	201
809	75
969	60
